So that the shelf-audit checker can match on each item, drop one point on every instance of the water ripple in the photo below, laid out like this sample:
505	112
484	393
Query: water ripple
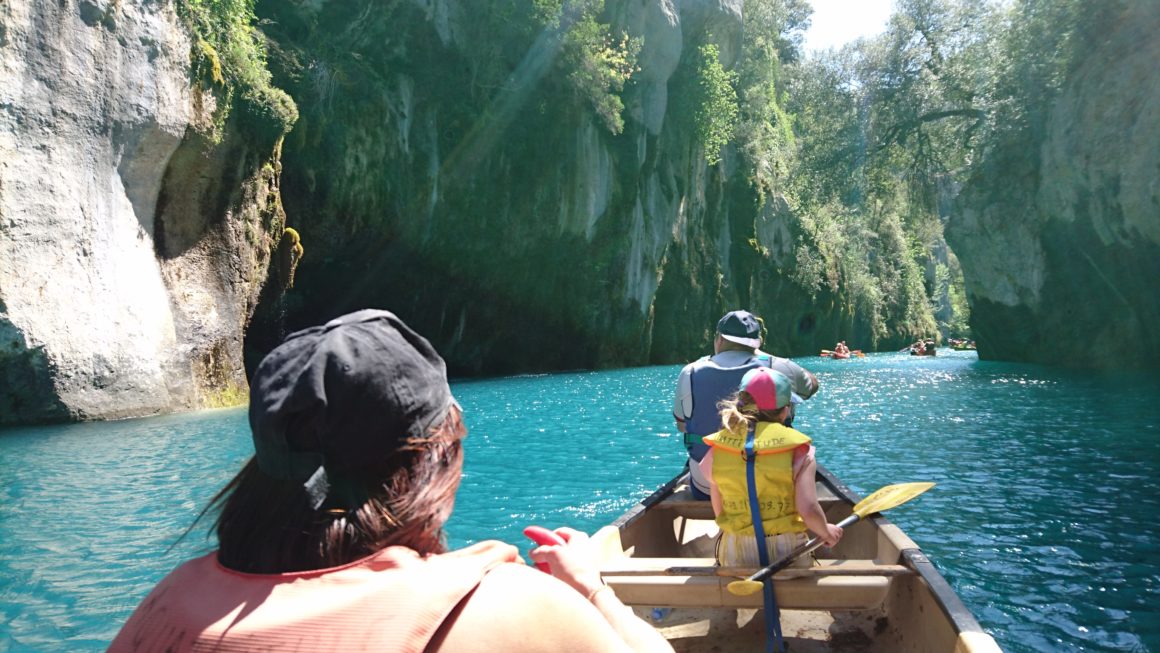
1043	519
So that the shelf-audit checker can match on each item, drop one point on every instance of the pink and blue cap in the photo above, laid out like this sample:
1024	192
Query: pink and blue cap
770	389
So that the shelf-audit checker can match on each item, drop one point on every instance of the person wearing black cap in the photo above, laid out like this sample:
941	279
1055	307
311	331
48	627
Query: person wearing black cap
331	536
702	384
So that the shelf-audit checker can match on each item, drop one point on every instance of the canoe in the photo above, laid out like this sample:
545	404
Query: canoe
875	591
826	353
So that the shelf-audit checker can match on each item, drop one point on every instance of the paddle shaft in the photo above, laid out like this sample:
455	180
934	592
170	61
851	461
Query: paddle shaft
810	545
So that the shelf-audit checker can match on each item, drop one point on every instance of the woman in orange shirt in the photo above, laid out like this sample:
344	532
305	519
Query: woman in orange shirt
330	537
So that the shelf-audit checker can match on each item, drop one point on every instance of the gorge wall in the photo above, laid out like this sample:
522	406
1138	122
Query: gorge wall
132	243
467	185
462	169
1061	249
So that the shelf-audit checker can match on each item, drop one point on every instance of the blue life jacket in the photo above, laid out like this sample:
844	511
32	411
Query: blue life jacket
710	384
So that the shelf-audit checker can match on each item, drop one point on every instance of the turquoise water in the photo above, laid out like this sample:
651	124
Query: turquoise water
1042	520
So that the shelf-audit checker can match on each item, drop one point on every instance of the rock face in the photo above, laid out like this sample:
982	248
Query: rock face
132	249
497	214
1061	258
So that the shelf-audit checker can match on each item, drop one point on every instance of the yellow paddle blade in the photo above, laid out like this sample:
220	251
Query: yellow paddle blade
745	587
890	496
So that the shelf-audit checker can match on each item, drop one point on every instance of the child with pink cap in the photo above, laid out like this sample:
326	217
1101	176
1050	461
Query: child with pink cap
783	465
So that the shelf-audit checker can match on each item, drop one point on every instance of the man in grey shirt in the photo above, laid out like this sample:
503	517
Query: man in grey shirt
705	382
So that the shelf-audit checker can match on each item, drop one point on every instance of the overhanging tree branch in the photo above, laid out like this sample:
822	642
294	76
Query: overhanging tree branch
900	132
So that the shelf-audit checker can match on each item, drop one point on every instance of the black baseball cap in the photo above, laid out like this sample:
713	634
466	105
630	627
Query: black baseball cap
337	399
741	327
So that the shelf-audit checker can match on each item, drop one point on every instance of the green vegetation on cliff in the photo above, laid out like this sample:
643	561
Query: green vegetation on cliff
715	103
889	129
516	150
229	53
598	61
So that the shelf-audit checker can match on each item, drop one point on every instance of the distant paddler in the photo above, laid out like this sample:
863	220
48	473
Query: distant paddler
923	348
841	350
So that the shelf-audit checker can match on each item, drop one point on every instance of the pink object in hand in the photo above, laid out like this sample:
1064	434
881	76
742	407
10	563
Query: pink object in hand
543	537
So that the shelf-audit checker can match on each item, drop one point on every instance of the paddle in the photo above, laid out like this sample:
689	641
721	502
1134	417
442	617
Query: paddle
882	499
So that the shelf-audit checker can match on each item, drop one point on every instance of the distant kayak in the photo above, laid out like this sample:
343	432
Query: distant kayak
833	354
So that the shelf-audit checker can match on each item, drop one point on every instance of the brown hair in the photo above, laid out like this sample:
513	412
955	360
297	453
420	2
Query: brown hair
740	410
266	525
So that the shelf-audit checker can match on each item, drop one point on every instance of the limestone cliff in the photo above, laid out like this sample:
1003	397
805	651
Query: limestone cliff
132	244
1061	251
442	172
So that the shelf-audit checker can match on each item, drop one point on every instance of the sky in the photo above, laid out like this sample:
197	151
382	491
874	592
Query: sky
836	22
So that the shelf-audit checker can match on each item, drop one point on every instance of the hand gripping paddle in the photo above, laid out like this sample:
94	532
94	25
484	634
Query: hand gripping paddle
543	537
883	499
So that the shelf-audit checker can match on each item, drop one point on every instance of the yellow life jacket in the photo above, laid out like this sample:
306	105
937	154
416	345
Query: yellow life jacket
774	445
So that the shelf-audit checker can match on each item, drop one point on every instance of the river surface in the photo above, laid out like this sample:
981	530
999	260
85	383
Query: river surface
1043	519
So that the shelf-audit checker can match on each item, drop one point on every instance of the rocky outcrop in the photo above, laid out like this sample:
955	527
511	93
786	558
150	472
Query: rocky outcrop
446	168
132	246
1061	252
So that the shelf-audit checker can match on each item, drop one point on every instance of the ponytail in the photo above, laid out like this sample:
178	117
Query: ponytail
739	410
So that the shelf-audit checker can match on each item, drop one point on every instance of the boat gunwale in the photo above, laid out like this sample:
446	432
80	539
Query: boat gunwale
948	601
945	597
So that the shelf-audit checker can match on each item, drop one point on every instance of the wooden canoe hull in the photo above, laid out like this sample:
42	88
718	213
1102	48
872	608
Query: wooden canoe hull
875	591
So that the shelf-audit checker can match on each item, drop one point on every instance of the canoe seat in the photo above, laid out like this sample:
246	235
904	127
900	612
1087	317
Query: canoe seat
681	502
696	582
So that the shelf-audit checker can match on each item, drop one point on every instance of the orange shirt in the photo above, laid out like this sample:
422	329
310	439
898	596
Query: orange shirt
392	601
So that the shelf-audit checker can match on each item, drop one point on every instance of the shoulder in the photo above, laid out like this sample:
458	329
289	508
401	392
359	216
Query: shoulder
700	362
804	382
785	365
804	461
518	608
194	570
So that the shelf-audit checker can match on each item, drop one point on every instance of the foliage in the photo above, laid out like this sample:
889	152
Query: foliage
1039	43
891	127
778	26
227	395
888	129
600	64
869	261
868	144
716	111
290	252
771	33
950	302
596	60
230	54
